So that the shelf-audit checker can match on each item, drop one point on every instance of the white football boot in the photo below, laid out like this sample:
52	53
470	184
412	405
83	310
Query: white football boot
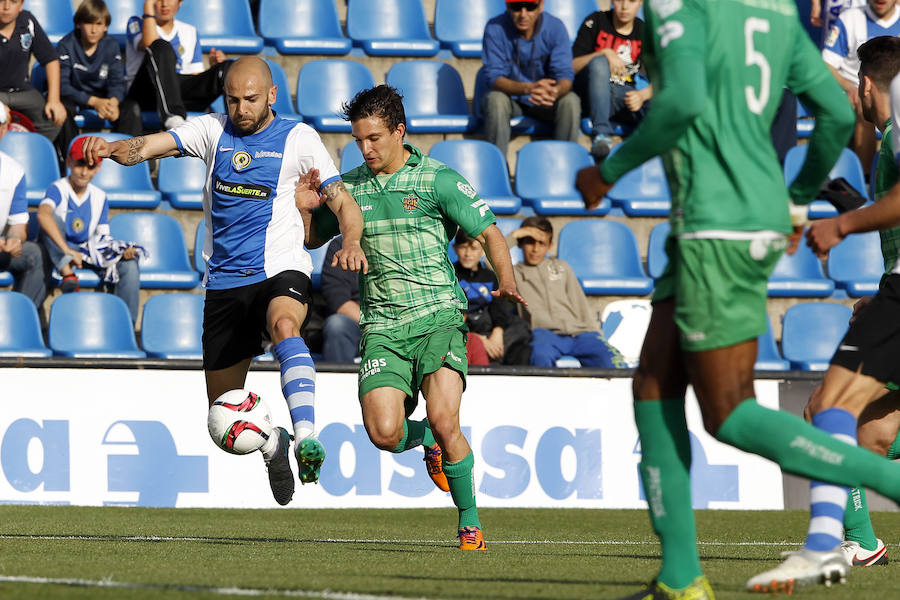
857	556
803	567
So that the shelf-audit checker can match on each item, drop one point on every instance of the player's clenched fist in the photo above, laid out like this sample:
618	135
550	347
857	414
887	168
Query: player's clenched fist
94	149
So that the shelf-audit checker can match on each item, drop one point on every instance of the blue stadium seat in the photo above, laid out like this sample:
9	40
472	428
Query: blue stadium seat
482	165
545	178
390	28
6	278
643	192
302	27
805	121
38	157
856	264
799	275
225	25
351	157
433	97
605	257
847	166
126	187
520	125
168	266
120	11
199	238
324	85
811	332
284	106
172	326
92	325
181	181
657	259
570	12
20	328
55	17
767	356
459	26
318	259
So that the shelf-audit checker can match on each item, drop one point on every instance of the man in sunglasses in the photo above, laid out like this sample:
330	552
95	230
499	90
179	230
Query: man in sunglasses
528	66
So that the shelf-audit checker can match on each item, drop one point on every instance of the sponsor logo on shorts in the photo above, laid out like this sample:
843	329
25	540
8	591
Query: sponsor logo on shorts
695	336
242	190
847	348
454	357
290	289
371	366
241	160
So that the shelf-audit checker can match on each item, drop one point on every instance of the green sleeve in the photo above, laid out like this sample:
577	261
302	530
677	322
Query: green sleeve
325	223
817	89
461	203
677	40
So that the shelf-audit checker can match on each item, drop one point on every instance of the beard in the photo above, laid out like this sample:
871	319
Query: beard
253	125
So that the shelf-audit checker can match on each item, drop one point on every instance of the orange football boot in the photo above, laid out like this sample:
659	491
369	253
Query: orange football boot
471	538
435	467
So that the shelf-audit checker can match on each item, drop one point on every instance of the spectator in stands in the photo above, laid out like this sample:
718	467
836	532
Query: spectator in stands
562	321
92	74
824	13
528	66
853	27
74	220
21	258
607	59
496	332
22	36
164	65
340	289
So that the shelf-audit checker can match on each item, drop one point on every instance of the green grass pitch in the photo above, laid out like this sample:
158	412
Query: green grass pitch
113	552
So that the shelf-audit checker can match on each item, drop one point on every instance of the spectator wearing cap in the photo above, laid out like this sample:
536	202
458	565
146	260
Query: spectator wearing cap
21	258
74	220
528	66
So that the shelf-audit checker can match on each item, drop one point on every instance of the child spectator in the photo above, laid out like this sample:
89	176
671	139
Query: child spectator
607	59
340	289
561	319
92	74
164	66
74	220
496	332
20	36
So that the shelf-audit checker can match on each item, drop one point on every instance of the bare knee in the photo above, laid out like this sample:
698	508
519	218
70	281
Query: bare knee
875	437
444	425
384	433
283	328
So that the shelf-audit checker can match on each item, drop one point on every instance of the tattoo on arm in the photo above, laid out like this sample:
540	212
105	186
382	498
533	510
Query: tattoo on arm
135	146
333	190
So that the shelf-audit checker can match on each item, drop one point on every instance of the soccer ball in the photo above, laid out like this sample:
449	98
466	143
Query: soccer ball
239	422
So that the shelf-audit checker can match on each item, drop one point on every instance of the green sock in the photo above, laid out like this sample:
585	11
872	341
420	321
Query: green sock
804	450
415	433
665	472
857	524
462	489
894	450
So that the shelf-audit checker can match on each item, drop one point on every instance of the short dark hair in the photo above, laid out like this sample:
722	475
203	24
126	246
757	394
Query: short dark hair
542	223
381	101
462	237
91	11
879	60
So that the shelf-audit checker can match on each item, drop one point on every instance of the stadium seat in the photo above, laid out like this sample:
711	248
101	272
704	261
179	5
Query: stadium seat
181	181
92	325
390	28
657	259
302	27
38	157
126	187
799	275
605	257
351	157
571	13
459	26
624	324
20	328
520	125
225	25
805	121
545	178
324	85
484	167
811	332
172	326
643	192
199	237
847	166
120	11
167	266
856	264
767	356
55	17
433	97
283	106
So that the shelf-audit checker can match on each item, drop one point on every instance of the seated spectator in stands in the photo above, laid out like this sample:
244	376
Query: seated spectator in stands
340	289
607	59
562	322
22	36
21	258
92	74
497	334
853	27
74	220
528	65
164	65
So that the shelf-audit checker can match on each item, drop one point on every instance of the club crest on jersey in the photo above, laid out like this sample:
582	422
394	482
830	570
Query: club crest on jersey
832	36
77	225
241	160
26	40
410	203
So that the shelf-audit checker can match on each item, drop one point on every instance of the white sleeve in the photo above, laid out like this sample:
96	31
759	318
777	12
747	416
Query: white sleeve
198	135
312	154
895	114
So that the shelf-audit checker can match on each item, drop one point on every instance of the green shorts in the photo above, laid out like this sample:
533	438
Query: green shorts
401	357
719	287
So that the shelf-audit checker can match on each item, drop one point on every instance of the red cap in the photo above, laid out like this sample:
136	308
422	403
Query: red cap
77	150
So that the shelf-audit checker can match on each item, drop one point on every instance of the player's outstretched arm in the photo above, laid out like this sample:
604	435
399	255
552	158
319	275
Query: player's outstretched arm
495	248
131	151
351	256
825	234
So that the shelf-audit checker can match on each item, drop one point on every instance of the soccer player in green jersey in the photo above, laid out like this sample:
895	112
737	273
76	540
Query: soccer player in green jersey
413	330
721	67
